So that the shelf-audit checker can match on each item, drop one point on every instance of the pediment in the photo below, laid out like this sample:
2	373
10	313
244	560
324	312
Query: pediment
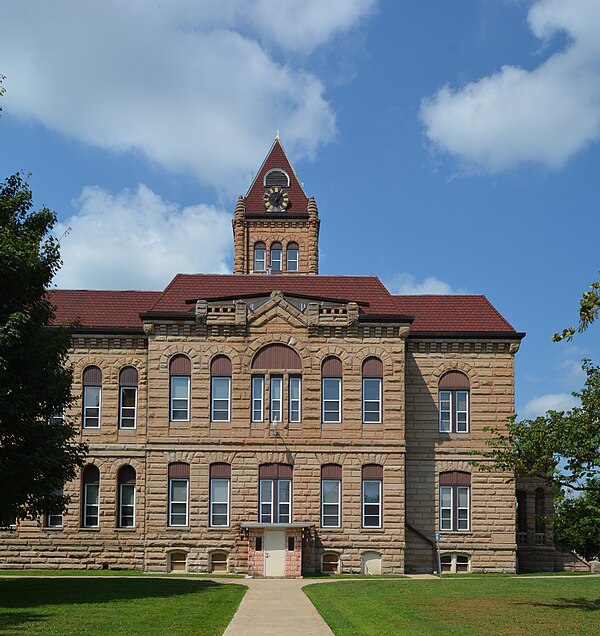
277	310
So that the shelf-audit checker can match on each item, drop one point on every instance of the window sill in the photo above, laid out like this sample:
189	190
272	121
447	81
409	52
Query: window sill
96	529
455	533
53	528
119	529
372	530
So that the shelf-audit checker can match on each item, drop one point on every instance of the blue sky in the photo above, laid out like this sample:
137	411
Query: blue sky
451	146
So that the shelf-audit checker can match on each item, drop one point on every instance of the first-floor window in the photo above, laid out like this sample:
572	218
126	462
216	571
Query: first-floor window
219	502
221	398
127	507
128	400
258	392
372	504
275	493
91	505
330	498
54	517
178	502
455	496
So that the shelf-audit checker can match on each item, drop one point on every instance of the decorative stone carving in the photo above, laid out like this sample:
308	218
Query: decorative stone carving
149	328
201	311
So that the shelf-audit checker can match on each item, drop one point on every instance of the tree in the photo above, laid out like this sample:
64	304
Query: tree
589	308
561	446
37	450
577	521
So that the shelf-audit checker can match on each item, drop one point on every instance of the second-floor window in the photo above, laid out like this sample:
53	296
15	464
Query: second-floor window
128	383
180	370
455	501
92	397
331	495
453	395
331	389
220	478
372	381
179	482
220	389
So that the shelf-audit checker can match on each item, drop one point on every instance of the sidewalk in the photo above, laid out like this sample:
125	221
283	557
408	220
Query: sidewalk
276	607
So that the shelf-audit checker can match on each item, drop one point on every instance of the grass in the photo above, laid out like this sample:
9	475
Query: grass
114	573
511	605
116	606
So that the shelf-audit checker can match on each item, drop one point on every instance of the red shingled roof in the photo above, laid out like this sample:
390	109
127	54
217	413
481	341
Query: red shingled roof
435	313
276	159
95	308
361	289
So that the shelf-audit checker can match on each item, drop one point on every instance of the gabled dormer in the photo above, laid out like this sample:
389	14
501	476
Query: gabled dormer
276	226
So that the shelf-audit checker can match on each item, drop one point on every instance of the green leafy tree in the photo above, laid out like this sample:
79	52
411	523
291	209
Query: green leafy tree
589	308
577	521
562	446
38	453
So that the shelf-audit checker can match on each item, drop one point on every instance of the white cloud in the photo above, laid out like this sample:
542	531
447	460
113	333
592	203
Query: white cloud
550	401
193	86
544	115
136	240
405	283
573	372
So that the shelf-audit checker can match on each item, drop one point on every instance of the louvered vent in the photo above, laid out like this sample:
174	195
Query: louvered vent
277	178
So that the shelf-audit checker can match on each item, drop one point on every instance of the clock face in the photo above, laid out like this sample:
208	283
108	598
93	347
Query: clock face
276	199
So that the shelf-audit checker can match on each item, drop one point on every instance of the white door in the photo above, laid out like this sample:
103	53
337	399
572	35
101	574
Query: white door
274	553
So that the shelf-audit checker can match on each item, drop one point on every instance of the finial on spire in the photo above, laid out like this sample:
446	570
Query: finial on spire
277	136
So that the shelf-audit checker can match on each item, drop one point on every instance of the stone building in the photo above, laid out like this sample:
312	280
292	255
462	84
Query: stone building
278	422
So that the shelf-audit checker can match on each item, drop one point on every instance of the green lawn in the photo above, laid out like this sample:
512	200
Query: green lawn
55	572
511	605
116	606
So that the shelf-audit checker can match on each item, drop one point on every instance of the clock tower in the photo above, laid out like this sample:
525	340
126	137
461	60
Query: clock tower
276	226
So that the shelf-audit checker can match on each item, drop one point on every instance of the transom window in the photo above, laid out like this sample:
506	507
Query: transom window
275	493
455	504
453	393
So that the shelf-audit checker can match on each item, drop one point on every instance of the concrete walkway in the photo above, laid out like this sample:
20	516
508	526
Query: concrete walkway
276	607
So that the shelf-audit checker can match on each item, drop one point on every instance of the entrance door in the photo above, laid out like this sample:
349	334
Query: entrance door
274	553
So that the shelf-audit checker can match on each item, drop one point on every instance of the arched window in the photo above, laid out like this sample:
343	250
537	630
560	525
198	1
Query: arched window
331	495
372	381
218	561
220	379
92	397
180	371
330	563
455	501
260	256
128	388
331	389
126	497
284	363
372	493
275	493
276	261
179	482
453	391
91	496
177	561
277	177
220	478
291	257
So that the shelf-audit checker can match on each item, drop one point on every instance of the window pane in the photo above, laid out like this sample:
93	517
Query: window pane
259	259
463	497
331	490
371	491
127	494
446	496
285	488
221	388
179	387
276	260
461	401
220	489
92	396
292	260
257	399
371	388
179	490
331	388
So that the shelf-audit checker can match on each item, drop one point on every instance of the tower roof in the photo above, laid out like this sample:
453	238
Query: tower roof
276	159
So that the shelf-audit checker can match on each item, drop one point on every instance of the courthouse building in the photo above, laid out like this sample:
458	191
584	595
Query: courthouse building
277	422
